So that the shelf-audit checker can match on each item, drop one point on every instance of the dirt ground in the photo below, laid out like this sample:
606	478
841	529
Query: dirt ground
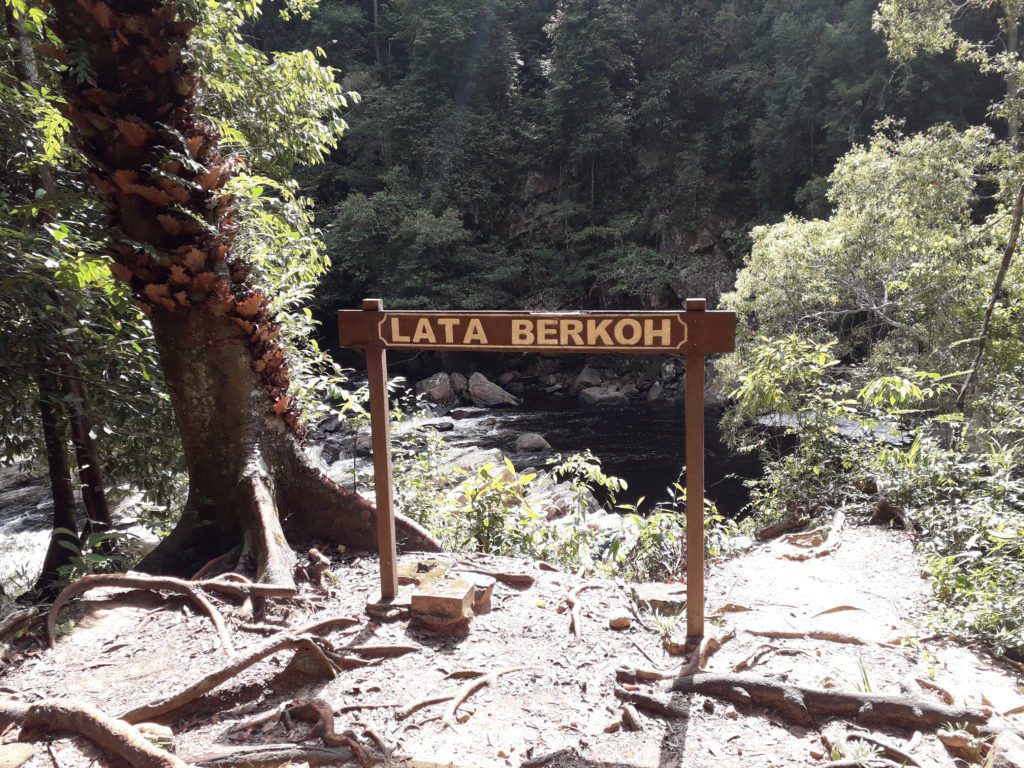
122	649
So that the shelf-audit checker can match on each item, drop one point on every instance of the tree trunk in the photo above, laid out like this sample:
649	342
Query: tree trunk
161	173
65	529
87	456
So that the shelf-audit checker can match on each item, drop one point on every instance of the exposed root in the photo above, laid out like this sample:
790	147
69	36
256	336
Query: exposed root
208	682
319	712
831	544
218	565
383	651
231	584
138	581
273	755
264	547
659	705
15	620
762	652
929	685
575	624
469	689
816	634
631	676
795	519
458	696
110	734
806	706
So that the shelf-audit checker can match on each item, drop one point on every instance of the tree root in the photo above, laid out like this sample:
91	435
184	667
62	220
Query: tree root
817	634
831	544
795	519
659	705
112	735
469	689
272	756
928	685
133	581
383	651
218	565
478	680
575	624
319	712
15	620
207	683
805	706
236	586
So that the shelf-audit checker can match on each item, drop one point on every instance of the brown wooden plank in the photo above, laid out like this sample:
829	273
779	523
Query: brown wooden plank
380	431
644	333
695	495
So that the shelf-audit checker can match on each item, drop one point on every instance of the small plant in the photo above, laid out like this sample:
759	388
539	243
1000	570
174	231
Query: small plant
665	624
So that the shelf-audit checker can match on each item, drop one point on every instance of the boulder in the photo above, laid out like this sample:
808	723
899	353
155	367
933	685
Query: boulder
441	426
588	377
654	393
363	445
331	450
485	392
473	459
459	383
506	377
332	424
438	389
531	442
601	396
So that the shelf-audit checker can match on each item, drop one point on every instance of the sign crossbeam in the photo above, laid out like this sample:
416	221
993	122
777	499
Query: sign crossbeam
693	333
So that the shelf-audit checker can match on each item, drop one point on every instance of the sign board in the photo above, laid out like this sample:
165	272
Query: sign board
640	333
694	333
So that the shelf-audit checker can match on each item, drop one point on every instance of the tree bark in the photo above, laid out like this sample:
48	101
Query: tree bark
65	528
997	287
161	173
87	455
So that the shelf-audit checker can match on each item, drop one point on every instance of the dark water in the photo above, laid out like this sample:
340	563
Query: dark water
642	443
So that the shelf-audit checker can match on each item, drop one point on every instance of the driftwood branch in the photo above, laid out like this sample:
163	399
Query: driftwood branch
575	623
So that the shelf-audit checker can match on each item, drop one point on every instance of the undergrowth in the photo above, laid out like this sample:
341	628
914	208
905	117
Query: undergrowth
489	510
842	440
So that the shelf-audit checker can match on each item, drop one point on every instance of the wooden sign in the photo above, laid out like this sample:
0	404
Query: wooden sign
640	333
694	333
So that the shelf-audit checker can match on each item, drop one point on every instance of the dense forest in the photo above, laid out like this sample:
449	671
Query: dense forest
593	154
190	189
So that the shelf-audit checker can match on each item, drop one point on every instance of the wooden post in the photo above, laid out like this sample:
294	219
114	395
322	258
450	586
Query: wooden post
695	486
380	431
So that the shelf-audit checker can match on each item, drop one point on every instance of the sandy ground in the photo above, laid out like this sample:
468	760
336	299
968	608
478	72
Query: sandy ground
125	649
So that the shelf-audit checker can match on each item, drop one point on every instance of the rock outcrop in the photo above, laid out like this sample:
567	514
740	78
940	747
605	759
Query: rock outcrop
484	392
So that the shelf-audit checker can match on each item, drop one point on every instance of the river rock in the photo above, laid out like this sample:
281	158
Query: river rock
363	445
506	377
438	389
654	393
441	426
459	383
531	442
483	391
588	377
331	450
601	396
473	459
